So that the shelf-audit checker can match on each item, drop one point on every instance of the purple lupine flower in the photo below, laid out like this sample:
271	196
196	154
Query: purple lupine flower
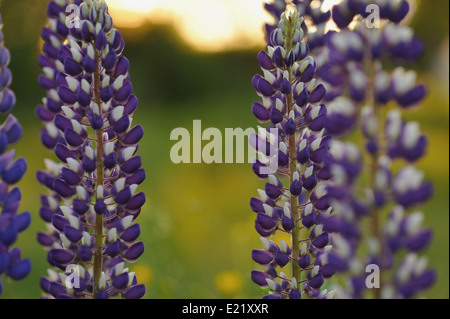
314	16
362	194
294	200
11	172
341	65
345	12
93	200
54	35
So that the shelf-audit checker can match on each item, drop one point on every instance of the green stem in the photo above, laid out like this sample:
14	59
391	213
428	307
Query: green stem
100	180
296	231
374	159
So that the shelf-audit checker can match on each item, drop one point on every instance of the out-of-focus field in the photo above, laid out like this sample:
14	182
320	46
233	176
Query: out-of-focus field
197	225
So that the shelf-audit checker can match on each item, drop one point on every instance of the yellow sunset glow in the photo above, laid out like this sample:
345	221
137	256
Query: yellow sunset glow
207	25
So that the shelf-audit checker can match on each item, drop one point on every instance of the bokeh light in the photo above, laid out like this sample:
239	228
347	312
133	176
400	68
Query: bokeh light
203	24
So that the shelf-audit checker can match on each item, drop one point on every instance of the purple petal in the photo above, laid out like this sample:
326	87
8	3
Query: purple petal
72	67
123	196
20	270
317	94
321	241
134	252
265	87
265	61
308	74
70	177
131	233
134	136
61	256
259	278
15	173
72	234
58	221
135	292
412	97
45	239
63	189
132	165
262	257
136	202
304	262
79	206
317	281
281	258
124	92
137	178
260	112
62	122
63	153
85	253
22	221
122	67
121	281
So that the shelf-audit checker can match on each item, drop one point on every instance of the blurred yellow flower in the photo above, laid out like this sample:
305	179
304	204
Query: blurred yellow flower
229	283
144	274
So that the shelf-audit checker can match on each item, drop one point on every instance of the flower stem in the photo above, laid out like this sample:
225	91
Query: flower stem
375	214
296	231
375	157
100	179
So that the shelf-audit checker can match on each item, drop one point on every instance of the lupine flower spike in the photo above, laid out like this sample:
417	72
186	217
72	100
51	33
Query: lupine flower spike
315	18
93	202
11	172
354	68
291	202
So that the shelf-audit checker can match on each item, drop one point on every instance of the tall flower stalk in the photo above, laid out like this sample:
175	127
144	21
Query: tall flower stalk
291	106
92	202
365	189
11	172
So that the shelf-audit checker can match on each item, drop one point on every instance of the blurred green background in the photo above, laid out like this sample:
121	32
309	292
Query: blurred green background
197	224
